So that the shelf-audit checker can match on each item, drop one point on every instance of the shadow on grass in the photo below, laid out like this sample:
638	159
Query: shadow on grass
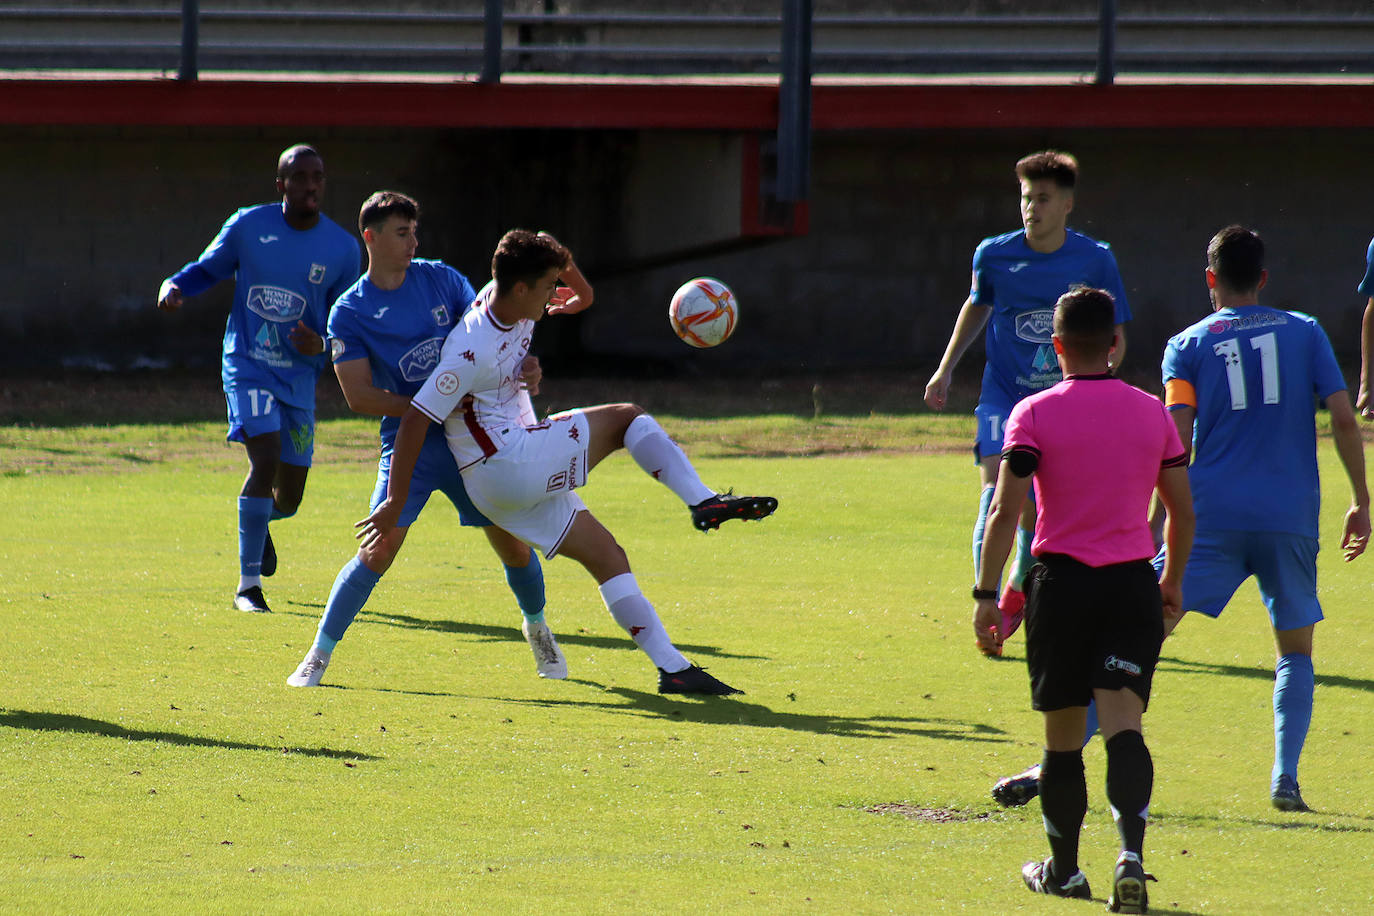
1257	672
1303	820
66	722
734	711
489	633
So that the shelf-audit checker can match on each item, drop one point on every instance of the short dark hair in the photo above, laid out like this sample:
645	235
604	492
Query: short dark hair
525	256
291	154
1085	321
1061	168
382	204
1236	256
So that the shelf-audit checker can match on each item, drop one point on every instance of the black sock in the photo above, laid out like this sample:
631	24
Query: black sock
1063	802
1130	780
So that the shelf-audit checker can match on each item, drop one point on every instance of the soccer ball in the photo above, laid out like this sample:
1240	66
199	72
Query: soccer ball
703	312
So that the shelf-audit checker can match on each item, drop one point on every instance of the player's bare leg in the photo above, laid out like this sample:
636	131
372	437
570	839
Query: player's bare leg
288	488
627	426
591	544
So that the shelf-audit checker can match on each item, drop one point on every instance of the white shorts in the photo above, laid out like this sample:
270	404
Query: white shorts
527	487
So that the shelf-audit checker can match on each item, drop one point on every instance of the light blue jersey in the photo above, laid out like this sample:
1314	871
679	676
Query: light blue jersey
283	275
1255	372
1022	285
1367	284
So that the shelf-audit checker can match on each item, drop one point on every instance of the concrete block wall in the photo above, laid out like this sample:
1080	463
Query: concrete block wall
101	215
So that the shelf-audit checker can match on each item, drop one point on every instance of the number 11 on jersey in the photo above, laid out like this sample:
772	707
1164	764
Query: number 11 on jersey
1229	351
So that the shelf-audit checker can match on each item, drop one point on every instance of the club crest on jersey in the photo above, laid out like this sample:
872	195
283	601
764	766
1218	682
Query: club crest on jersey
275	304
441	315
1036	326
317	274
446	382
417	364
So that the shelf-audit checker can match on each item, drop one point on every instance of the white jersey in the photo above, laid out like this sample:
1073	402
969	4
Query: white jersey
475	390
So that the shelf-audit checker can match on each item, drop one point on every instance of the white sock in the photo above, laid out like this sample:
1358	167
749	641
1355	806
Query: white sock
247	582
633	611
661	459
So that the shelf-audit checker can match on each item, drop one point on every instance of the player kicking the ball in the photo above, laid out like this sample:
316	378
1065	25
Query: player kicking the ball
522	476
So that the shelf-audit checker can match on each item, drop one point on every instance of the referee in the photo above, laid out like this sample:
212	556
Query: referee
1095	449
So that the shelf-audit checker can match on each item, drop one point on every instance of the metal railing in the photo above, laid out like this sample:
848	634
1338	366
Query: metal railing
494	41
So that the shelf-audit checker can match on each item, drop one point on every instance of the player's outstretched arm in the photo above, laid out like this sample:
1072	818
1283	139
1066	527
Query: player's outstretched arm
1176	495
1345	430
410	437
575	295
967	326
1003	517
1362	401
363	396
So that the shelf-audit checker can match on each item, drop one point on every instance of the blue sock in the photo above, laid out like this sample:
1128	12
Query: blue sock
352	587
1092	723
984	504
254	512
527	583
1294	683
1023	561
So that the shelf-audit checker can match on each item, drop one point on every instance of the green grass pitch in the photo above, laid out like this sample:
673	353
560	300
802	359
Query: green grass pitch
153	760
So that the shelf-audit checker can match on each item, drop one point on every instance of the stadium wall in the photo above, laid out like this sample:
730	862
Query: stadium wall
894	216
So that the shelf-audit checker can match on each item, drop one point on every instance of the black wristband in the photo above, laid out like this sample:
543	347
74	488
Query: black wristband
984	594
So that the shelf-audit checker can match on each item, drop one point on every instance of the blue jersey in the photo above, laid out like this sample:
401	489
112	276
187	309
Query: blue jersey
282	276
1255	372
1367	284
1022	285
400	332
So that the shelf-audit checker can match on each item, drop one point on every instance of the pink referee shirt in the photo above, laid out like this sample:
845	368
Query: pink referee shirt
1101	445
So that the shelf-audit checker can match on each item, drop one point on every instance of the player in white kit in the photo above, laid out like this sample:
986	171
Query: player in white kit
522	476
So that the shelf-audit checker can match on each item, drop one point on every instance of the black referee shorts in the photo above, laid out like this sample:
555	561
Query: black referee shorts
1091	628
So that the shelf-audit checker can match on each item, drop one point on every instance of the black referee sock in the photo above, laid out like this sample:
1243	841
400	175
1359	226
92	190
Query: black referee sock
1063	803
1130	780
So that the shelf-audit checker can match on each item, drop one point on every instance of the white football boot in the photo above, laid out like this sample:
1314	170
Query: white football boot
548	658
311	669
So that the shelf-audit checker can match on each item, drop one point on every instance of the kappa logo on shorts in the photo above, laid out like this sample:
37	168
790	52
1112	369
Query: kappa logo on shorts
1113	663
470	356
573	434
446	382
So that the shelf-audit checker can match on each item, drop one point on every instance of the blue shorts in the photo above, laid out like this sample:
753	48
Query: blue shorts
435	470
1284	566
255	411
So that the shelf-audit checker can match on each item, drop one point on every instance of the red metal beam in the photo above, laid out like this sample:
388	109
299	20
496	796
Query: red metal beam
718	105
